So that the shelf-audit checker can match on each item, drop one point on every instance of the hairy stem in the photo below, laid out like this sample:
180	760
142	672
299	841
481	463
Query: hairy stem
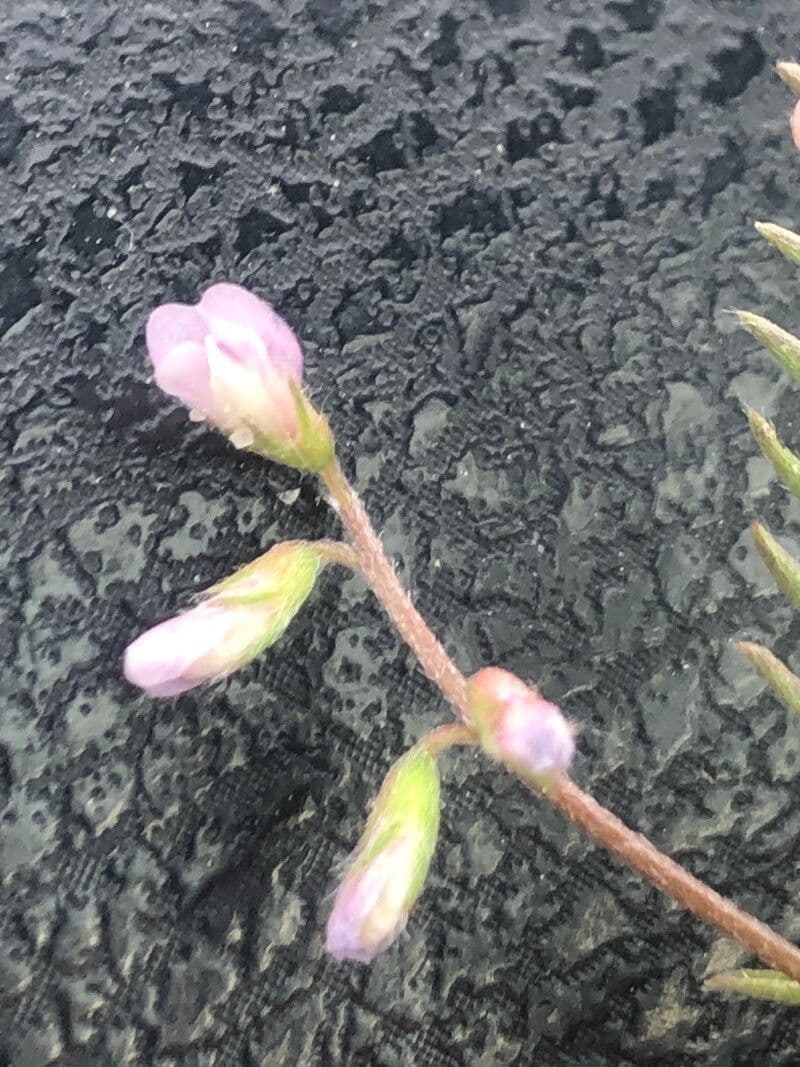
337	552
643	857
380	574
630	847
444	737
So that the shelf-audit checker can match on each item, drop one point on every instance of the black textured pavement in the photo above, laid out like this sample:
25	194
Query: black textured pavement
507	233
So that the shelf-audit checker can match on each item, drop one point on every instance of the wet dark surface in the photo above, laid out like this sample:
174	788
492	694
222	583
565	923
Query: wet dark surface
508	233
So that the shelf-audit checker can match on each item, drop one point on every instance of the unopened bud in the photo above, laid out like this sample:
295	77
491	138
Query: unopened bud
782	565
516	725
785	462
235	363
387	872
761	984
234	622
783	682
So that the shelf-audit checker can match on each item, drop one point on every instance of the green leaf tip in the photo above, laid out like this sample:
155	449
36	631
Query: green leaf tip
784	684
782	344
763	984
785	462
786	241
789	73
782	565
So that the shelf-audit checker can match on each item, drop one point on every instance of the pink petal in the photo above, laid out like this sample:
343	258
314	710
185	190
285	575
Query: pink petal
156	658
171	325
163	690
160	661
537	734
183	372
231	303
357	897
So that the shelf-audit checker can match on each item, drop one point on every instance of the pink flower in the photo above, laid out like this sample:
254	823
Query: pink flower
517	725
234	362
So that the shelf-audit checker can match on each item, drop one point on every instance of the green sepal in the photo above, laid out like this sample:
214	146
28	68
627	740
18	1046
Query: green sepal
408	804
784	346
786	241
762	984
314	446
783	682
785	462
280	581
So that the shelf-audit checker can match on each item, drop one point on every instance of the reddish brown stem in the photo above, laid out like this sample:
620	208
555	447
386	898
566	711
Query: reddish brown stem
380	574
641	855
337	552
632	848
441	738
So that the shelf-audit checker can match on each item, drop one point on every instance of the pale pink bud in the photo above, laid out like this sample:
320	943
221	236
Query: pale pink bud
239	617
206	643
517	725
794	125
234	362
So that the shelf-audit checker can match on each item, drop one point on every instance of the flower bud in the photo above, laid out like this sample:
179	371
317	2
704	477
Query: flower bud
234	621
387	872
762	984
234	362
516	725
783	682
785	462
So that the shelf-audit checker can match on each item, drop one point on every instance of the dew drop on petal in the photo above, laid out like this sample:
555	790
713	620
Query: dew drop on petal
242	438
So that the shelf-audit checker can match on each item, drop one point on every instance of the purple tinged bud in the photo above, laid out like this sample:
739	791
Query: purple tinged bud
388	869
237	619
234	362
370	910
516	725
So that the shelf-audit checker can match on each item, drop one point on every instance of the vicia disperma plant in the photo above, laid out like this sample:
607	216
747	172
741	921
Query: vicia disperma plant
238	366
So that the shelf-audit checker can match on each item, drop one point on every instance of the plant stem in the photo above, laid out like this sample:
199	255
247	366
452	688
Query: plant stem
631	847
444	737
380	574
338	552
642	856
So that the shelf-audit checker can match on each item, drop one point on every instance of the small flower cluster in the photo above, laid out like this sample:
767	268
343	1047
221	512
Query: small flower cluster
236	364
